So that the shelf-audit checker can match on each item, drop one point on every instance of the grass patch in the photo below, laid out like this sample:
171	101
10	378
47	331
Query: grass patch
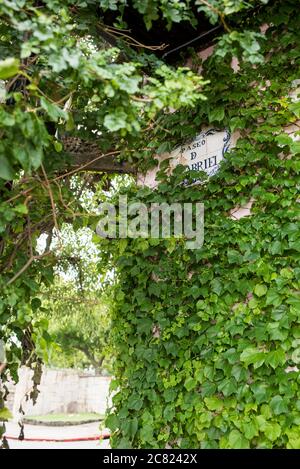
64	419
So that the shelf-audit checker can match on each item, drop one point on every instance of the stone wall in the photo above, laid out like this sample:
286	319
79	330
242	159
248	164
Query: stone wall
61	391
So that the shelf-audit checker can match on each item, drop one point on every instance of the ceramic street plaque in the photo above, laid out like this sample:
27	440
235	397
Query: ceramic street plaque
204	153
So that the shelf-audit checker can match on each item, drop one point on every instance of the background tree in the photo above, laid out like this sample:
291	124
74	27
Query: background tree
79	322
77	305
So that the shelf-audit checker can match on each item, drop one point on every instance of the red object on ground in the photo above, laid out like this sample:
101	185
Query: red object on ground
70	440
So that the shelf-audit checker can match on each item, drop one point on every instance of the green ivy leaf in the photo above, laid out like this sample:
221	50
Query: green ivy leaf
21	208
228	387
135	402
169	413
250	429
260	289
213	403
115	121
9	68
237	441
131	427
272	431
234	257
278	405
273	298
294	438
252	356
6	169
276	358
295	108
190	384
53	110
283	139
216	114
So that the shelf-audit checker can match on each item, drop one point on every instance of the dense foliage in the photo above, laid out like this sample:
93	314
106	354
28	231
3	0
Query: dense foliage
59	76
201	356
208	340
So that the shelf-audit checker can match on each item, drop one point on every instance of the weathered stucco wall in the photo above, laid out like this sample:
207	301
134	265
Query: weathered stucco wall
61	391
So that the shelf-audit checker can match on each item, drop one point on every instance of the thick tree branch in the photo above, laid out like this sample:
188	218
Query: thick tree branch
87	156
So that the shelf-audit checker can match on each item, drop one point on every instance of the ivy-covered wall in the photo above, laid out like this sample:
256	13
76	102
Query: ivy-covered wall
208	340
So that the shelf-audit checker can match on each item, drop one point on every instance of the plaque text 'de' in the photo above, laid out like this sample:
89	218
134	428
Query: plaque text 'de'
204	153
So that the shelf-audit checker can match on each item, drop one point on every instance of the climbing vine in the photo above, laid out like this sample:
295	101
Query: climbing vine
207	341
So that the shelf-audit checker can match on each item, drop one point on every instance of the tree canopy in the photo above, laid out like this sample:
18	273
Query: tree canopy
77	307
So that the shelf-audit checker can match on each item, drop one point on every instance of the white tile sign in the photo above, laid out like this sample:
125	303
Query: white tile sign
204	153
